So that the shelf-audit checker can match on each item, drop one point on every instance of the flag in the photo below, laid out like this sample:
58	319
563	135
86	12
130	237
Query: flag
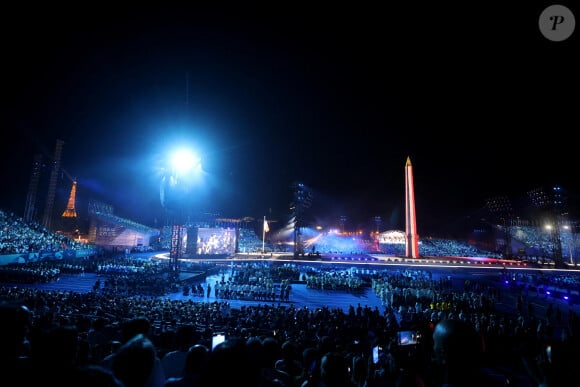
266	227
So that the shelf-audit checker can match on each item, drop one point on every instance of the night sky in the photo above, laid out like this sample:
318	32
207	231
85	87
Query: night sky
333	97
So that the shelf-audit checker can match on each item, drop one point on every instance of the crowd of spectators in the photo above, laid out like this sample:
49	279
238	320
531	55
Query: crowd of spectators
436	247
125	332
540	243
18	236
65	335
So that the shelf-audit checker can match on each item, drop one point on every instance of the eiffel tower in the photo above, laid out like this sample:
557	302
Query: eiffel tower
70	211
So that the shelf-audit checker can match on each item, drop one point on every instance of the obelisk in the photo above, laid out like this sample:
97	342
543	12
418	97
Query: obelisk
411	236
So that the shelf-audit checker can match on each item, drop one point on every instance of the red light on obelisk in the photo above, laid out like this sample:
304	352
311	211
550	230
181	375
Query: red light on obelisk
411	236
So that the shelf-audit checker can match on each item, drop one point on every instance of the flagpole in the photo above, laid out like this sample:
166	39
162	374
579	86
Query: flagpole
264	236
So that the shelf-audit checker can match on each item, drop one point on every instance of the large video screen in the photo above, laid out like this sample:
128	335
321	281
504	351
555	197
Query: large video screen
216	241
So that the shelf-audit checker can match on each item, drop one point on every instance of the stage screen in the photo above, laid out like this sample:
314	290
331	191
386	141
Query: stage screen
216	241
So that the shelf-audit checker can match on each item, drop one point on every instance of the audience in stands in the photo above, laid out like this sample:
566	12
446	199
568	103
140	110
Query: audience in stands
125	333
18	236
96	325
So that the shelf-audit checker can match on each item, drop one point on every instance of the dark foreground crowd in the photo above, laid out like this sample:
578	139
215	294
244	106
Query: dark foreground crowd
110	339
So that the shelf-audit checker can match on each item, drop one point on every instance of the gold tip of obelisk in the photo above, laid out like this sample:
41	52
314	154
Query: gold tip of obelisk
408	164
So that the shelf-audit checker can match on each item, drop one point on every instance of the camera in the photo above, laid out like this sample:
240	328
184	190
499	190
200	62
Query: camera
408	337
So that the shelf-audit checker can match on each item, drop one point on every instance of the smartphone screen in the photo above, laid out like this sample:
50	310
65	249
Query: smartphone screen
408	337
376	354
217	339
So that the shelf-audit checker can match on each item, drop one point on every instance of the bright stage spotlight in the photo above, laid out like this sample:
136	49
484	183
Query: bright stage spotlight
184	162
